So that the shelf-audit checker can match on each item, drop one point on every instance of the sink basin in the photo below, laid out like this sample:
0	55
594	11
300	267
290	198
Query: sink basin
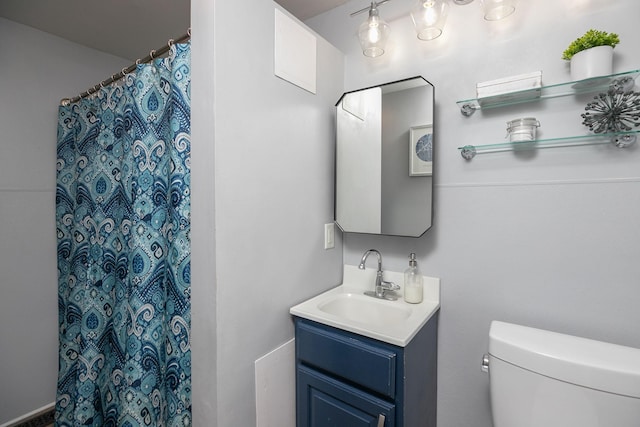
346	307
364	309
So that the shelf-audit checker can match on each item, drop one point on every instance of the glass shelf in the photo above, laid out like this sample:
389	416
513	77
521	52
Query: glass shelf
625	80
619	139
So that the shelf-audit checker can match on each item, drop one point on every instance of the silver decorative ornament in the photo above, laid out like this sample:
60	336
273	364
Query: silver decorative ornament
613	111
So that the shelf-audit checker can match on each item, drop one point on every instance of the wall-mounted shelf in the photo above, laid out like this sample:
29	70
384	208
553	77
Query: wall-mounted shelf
624	80
620	81
620	139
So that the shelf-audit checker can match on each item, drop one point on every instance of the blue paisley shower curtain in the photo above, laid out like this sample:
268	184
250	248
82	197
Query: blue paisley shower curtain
123	225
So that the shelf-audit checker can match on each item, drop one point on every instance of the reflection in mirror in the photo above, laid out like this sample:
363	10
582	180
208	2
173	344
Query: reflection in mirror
384	159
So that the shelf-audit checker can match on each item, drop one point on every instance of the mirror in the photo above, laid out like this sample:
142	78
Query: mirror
384	159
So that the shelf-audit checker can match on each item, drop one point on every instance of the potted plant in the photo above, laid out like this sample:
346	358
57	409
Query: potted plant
592	54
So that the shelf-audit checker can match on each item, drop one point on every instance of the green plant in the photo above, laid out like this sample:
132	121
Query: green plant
591	38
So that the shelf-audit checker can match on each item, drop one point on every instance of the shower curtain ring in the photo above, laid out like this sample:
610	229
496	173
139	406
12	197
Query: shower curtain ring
189	31
138	61
153	52
170	43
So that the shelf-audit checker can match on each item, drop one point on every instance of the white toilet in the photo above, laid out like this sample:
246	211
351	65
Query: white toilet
545	379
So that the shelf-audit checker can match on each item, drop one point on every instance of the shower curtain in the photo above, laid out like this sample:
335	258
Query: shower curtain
123	225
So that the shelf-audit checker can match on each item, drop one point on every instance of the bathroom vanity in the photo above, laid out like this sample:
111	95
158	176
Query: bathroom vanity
361	361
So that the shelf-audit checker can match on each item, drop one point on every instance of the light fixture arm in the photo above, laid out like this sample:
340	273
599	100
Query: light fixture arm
374	5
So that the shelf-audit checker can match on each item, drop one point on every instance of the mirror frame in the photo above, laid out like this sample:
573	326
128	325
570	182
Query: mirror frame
428	224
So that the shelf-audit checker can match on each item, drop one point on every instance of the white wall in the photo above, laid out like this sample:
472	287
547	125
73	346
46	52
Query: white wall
262	189
37	71
550	239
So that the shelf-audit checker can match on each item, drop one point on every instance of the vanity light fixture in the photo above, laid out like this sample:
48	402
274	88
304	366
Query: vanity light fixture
374	32
428	16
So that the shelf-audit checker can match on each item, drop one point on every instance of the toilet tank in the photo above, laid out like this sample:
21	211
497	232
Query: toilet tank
546	379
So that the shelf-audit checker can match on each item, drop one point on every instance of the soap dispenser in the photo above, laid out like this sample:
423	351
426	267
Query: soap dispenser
413	282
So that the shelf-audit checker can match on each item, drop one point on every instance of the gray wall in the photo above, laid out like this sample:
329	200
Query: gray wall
549	239
262	189
37	71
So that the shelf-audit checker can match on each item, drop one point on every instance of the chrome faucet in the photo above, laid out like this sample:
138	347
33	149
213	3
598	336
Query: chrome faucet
381	287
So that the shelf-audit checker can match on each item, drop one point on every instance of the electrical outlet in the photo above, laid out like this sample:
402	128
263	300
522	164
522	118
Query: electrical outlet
329	236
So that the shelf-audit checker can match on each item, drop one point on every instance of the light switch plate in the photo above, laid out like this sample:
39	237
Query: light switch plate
329	236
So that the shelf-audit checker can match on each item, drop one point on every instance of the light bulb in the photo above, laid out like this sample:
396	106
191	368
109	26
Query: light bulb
429	15
374	30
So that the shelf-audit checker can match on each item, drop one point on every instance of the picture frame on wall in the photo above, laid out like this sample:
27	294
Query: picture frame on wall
421	150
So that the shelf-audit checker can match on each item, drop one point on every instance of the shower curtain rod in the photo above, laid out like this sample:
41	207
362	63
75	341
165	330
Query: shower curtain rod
115	77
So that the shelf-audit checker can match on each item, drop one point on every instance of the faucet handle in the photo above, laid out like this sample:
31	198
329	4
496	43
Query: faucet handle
382	291
389	286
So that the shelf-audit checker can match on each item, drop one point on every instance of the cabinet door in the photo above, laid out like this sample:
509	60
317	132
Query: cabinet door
325	402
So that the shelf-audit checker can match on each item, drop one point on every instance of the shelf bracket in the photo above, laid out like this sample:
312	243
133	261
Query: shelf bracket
624	140
468	152
467	110
623	84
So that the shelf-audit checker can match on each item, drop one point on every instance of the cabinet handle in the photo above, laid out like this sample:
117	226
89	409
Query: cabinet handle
381	420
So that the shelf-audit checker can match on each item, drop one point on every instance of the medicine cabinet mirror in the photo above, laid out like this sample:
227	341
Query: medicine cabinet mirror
384	159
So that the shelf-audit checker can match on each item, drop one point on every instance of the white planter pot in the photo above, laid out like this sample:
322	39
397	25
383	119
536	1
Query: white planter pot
594	62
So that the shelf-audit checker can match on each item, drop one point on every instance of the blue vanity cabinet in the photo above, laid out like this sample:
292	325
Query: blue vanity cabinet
348	380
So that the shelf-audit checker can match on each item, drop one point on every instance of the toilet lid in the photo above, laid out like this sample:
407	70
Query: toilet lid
595	364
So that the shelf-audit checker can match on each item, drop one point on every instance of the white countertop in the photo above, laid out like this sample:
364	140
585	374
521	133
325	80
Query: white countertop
392	330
